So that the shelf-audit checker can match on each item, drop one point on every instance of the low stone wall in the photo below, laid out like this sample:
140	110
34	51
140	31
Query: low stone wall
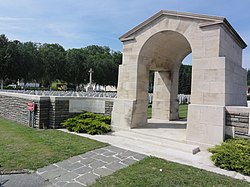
14	107
59	111
109	107
50	111
237	121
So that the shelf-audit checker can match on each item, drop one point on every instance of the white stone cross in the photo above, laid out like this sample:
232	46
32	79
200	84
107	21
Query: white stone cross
90	75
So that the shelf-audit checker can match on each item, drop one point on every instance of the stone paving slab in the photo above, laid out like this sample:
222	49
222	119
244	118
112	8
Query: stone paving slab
23	180
84	169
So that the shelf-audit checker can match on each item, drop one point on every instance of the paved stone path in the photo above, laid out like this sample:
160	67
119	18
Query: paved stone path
83	170
23	180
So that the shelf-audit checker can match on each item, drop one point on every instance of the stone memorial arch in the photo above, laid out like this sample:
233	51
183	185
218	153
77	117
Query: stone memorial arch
160	44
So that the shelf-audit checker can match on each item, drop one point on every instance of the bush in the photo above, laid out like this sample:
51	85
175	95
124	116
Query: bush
233	154
88	123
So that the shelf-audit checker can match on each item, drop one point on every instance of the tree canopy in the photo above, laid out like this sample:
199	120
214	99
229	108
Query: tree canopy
45	63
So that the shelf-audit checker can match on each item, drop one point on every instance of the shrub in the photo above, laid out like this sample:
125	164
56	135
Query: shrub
97	127
88	123
70	123
90	115
233	154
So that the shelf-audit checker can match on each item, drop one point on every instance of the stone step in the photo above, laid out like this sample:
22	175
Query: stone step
164	143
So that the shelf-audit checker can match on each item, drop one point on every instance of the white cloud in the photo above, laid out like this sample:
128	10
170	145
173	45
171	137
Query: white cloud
14	19
75	23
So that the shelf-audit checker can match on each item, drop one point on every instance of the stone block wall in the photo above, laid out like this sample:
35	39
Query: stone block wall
42	112
59	111
49	111
237	122
108	107
15	108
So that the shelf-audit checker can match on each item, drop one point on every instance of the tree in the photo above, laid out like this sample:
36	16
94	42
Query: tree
104	63
77	67
28	61
185	77
3	62
53	57
45	63
13	58
117	60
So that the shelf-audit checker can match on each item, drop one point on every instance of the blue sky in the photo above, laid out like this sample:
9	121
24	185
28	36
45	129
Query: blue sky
79	23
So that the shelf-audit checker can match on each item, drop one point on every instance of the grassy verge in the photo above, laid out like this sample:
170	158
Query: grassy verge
157	172
22	147
183	109
149	111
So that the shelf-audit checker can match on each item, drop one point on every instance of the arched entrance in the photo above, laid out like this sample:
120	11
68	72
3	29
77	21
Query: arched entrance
163	53
160	44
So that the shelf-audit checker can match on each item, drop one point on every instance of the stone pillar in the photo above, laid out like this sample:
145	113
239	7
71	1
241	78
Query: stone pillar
165	103
124	105
174	102
206	113
206	124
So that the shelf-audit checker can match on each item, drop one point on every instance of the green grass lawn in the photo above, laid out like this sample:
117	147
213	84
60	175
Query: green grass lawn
183	109
157	172
22	147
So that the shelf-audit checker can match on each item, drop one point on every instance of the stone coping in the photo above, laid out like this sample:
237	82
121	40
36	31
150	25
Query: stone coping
52	98
238	109
24	96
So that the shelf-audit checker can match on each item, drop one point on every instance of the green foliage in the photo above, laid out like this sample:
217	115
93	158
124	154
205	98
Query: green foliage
183	110
45	63
76	63
104	63
58	85
53	62
88	123
233	154
4	66
185	77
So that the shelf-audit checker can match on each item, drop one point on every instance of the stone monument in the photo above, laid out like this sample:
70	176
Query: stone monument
90	86
160	44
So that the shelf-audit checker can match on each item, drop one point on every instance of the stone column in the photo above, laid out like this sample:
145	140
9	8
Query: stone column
165	103
206	113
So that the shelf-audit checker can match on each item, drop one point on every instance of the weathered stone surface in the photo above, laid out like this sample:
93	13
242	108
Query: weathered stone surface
83	170
240	121
160	44
241	130
67	172
115	166
103	171
50	111
87	179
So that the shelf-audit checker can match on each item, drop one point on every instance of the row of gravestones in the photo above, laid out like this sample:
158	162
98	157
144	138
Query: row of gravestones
183	99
